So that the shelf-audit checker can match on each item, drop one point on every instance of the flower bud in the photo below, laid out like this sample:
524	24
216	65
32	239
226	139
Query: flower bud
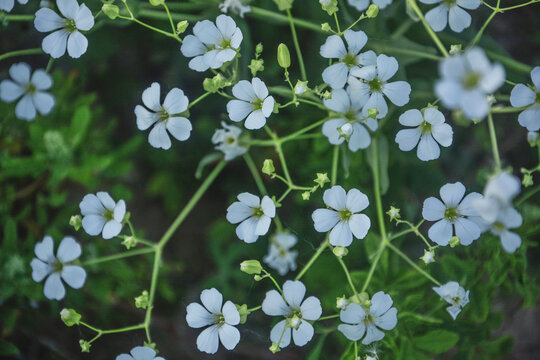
326	27
340	251
112	11
85	346
259	48
455	49
454	241
306	195
327	95
300	87
255	66
372	113
258	277
275	348
70	317
157	2
342	302
142	301
372	11
129	242
393	213
330	6
243	310
251	267
322	178
268	167
283	56
76	222
527	180
181	26
428	257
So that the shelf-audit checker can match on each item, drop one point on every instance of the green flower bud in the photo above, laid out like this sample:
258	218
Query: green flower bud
157	2
527	180
275	348
372	11
327	95
393	213
76	222
306	195
326	27
142	301
300	87
258	277
85	346
372	113
454	241
181	26
362	299
243	310
455	49
255	66
268	167
112	11
330	6
428	257
129	242
283	56
340	251
251	267
322	178
259	49
342	302
70	317
284	4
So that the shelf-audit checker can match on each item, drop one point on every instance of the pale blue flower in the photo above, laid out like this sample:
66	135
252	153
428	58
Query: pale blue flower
7	5
362	5
450	11
252	103
528	96
227	141
101	214
253	214
455	295
371	82
280	257
140	353
236	6
466	80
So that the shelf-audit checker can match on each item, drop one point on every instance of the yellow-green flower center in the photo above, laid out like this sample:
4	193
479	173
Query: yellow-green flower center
498	226
344	214
375	85
350	60
57	266
70	26
471	80
451	213
257	104
163	115
258	212
108	215
219	319
425	127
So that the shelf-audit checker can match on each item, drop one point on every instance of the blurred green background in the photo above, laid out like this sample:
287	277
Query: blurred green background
90	143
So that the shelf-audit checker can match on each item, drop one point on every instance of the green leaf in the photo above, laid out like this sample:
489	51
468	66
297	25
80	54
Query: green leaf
8	349
382	155
207	159
437	341
79	125
315	352
10	235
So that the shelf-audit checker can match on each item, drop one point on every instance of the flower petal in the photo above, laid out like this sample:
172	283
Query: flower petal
324	219
341	234
311	308
230	313
151	97
274	305
179	127
335	75
74	276
229	336
451	194
280	331
68	250
54	289
359	225
197	316
294	292
303	334
433	209
111	229
380	303
208	340
44	249
40	270
441	232
158	137
212	300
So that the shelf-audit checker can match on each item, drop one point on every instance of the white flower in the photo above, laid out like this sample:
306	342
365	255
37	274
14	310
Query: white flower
371	82
221	322
102	215
235	6
466	81
498	195
343	218
454	214
455	295
31	88
163	117
349	57
522	95
211	46
362	5
349	119
296	313
140	353
280	257
450	11
508	219
7	5
429	131
254	103
253	214
381	315
57	268
227	142
67	29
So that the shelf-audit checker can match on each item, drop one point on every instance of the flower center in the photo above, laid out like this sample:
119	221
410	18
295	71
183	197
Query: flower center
350	60
257	104
369	320
450	3
230	140
350	116
30	88
108	215
498	226
425	127
451	213
456	300
57	266
375	85
471	80
69	25
345	214
219	319
163	115
258	212
225	43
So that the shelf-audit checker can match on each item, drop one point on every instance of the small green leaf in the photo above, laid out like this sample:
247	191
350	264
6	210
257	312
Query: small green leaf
437	341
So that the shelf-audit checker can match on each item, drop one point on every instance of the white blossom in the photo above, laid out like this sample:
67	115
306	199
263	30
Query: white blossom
212	45
507	220
30	88
455	295
381	315
348	119
297	314
523	95
498	195
66	29
101	214
227	141
236	6
252	103
140	353
454	215
343	217
450	11
253	215
362	5
428	132
280	257
467	80
164	117
371	83
220	322
349	57
57	268
7	5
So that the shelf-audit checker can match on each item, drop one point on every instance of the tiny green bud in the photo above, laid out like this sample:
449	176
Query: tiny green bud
454	241
527	180
268	167
255	66
393	213
129	242
112	11
362	298
340	251
85	346
372	113
76	222
243	310
300	87
251	267
142	301
330	6
258	277
157	2
283	56
306	195
455	49
70	317
322	178
372	11
259	48
428	257
342	302
326	27
181	26
327	95
275	348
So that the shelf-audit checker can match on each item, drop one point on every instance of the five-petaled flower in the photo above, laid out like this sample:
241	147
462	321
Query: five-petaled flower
297	314
66	30
522	95
30	88
428	132
454	214
140	353
227	141
253	214
450	11
455	295
280	257
57	268
343	218
252	102
362	5
221	321
381	315
165	117
7	5
101	214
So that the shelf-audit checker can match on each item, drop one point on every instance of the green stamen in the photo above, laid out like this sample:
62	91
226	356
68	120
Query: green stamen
375	85
350	60
258	212
471	80
344	214
451	214
108	215
70	26
425	127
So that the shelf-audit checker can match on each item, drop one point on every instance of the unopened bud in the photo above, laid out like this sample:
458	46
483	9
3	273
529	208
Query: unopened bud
85	346
428	257
251	267
181	26
76	222
372	11
340	251
70	317
454	241
283	56
268	167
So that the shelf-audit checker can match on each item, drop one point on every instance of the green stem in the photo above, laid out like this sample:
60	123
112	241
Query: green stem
297	46
335	160
428	28
166	33
494	145
328	317
35	51
194	102
479	34
153	287
318	253
118	256
380	251
270	15
170	18
410	262
347	274
377	188
16	17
